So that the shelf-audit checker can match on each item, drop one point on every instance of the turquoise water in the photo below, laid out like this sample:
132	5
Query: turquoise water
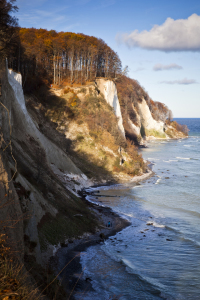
158	256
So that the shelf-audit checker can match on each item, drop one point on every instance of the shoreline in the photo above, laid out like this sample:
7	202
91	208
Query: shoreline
70	277
70	253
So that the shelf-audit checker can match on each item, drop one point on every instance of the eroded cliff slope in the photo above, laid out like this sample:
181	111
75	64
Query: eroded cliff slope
42	198
62	141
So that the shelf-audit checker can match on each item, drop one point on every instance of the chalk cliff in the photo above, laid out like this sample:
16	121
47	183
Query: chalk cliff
56	158
109	91
144	118
42	191
147	126
47	175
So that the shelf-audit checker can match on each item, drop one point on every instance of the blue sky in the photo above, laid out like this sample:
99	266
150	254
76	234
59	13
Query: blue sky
159	40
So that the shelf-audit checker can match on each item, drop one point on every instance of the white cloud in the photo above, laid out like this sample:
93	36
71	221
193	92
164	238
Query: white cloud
160	67
184	81
172	35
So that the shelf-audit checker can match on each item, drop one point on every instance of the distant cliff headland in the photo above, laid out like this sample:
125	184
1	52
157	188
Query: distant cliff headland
70	118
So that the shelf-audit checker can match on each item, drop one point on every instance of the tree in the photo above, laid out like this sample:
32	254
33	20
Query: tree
170	115
8	27
44	56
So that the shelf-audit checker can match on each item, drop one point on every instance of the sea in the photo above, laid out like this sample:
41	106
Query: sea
158	255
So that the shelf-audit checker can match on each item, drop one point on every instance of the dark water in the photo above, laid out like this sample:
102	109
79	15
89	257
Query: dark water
193	125
158	256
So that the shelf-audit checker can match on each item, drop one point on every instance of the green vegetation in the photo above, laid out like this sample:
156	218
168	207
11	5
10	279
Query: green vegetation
181	128
59	229
155	133
96	145
170	132
96	149
82	90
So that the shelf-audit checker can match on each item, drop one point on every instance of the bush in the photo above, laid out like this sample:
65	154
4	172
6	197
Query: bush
67	90
181	128
80	137
82	90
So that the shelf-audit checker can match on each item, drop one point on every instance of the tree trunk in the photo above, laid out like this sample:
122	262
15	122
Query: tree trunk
54	70
19	59
72	67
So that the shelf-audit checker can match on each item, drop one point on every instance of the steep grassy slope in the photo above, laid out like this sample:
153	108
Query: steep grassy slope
98	147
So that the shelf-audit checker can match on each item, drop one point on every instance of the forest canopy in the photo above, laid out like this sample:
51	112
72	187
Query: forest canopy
63	55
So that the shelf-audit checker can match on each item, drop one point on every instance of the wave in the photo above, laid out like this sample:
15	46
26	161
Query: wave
91	200
105	188
190	240
188	158
131	269
137	186
181	236
152	284
170	160
172	229
191	212
158	225
157	182
147	285
153	158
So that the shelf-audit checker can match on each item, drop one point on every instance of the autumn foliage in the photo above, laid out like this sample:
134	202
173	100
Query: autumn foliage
179	127
55	56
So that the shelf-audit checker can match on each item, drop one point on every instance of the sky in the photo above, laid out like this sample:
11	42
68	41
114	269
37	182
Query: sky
158	40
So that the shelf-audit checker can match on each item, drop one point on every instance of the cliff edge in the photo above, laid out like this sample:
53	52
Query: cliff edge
41	194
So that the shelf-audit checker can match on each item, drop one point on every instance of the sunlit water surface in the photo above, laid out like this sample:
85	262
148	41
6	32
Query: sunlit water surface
158	256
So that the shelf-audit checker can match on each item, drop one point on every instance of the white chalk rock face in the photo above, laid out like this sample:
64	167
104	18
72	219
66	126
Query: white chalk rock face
136	129
15	80
26	127
109	90
147	120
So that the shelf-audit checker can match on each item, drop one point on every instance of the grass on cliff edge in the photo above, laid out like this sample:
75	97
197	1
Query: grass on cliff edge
102	124
155	133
